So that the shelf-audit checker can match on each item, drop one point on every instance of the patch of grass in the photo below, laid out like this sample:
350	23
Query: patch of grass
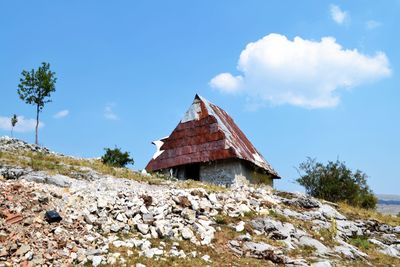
359	213
210	188
250	214
278	216
375	258
68	165
361	242
328	235
302	251
219	219
286	195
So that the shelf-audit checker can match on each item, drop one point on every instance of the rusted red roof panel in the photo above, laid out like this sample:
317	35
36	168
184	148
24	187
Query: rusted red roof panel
206	133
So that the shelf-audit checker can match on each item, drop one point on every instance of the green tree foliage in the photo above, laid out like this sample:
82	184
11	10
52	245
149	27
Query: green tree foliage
14	121
116	158
335	182
35	88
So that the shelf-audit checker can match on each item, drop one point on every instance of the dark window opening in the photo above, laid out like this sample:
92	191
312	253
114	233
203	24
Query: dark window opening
192	171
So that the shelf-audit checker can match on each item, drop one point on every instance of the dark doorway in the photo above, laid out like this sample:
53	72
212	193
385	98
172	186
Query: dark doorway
192	171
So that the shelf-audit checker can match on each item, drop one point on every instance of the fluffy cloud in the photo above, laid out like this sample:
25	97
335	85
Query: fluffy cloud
61	114
338	15
109	113
226	82
23	125
301	72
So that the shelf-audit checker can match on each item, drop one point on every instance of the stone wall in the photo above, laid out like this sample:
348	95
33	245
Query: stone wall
225	173
229	172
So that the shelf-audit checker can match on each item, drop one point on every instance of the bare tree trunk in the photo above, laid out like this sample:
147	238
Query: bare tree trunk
37	124
12	128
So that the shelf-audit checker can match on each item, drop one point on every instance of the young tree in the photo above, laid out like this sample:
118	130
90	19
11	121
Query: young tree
14	121
336	182
116	158
35	88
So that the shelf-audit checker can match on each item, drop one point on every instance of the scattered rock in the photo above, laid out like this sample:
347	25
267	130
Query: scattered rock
240	226
97	260
143	228
187	233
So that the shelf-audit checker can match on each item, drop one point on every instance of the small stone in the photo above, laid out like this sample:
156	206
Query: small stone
148	218
115	228
122	218
240	226
118	243
58	230
187	233
102	203
246	237
89	218
22	250
29	255
97	260
321	264
143	228
206	258
144	210
149	253
153	232
140	265
188	214
73	256
244	208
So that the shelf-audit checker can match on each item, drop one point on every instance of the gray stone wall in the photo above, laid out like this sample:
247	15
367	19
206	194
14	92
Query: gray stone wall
229	172
224	173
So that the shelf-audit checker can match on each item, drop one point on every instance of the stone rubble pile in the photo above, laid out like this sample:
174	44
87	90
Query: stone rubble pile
13	144
103	213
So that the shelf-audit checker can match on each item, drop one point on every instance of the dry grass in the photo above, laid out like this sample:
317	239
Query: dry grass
210	188
375	259
64	165
352	212
55	164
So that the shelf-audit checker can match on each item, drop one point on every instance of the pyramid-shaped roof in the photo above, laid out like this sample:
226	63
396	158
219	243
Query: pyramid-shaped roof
206	133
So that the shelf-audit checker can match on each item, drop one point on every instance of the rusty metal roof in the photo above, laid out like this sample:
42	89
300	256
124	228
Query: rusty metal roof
206	133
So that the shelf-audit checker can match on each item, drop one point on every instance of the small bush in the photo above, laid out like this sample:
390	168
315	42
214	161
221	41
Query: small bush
220	219
361	242
335	182
116	158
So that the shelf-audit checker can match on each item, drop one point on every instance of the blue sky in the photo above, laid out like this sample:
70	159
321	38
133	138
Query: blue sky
128	70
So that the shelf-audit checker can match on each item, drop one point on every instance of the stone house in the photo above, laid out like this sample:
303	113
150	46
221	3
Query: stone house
208	146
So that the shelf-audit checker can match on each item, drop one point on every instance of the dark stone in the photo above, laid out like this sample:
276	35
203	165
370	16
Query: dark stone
52	216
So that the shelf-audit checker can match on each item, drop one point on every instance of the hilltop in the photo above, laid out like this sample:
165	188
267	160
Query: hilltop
118	217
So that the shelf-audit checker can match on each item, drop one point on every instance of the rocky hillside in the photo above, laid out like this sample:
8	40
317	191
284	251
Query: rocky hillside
116	217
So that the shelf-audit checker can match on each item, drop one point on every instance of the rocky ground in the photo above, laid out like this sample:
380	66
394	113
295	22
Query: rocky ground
121	222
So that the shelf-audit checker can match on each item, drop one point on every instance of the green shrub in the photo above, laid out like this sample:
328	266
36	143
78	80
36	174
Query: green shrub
335	182
361	242
116	158
220	219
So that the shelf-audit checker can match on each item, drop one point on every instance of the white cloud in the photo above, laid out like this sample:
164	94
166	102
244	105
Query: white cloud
226	82
109	113
338	15
61	114
301	72
372	24
23	125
